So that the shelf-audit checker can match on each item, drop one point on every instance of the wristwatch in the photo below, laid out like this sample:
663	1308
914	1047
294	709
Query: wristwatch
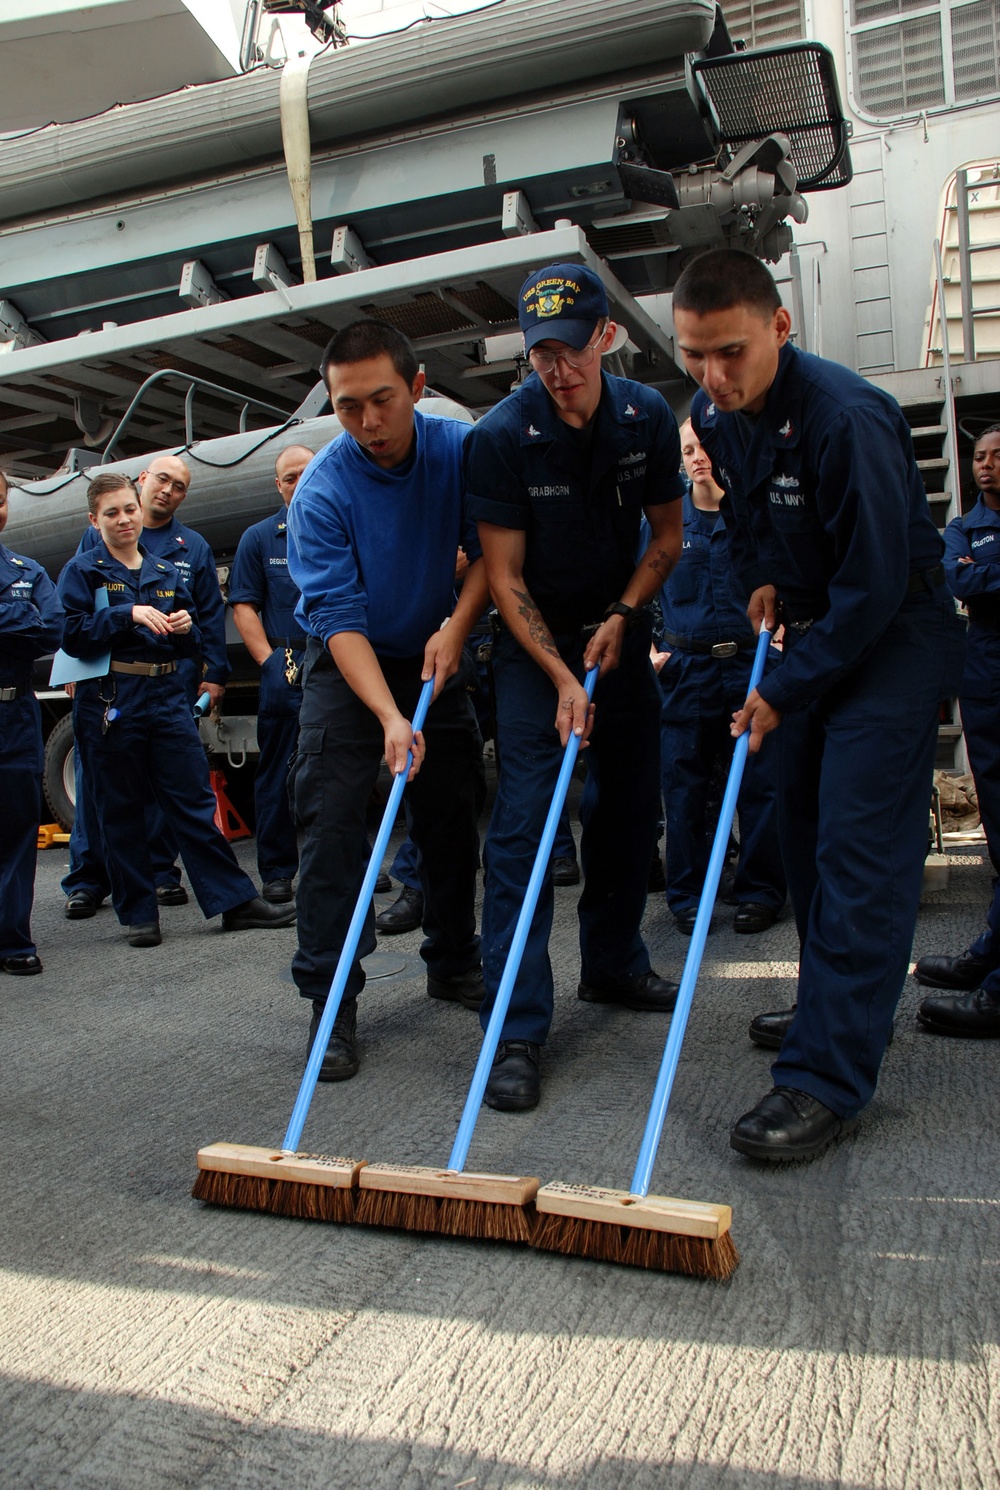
619	608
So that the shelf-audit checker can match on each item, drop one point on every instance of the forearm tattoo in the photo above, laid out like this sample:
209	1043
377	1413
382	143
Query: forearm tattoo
537	629
660	560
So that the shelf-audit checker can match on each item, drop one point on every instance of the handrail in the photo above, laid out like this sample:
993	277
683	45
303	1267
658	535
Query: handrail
951	430
247	400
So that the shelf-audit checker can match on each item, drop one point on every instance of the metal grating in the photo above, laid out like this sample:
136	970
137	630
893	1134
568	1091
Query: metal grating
900	68
315	331
248	351
763	23
877	10
789	89
975	49
484	301
424	315
629	237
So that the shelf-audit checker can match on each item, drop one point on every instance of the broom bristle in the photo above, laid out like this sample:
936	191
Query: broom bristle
636	1246
480	1220
281	1197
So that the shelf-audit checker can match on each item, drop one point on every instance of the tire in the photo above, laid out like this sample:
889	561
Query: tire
58	779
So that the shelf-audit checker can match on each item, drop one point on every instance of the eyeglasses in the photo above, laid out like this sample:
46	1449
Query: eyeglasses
542	360
162	479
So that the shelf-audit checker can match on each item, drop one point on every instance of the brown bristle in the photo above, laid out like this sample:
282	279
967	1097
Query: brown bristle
244	1192
664	1251
480	1220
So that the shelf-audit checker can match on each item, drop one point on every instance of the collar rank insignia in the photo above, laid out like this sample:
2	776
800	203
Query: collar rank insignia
630	410
532	432
786	429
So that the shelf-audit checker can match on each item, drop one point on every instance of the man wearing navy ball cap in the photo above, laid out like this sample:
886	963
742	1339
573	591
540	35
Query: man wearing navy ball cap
559	475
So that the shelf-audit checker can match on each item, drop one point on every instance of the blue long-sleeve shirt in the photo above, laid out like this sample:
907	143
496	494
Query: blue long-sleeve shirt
192	556
91	631
31	617
825	502
374	551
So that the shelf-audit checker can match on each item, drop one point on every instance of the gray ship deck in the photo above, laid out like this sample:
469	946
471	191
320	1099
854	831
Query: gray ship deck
149	1343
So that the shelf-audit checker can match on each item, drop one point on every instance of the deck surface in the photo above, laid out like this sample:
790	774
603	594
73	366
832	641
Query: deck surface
150	1343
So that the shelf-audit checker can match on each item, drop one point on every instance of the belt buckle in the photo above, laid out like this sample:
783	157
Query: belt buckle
725	649
8	695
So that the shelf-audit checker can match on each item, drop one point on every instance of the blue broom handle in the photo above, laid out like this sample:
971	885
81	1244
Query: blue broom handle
334	998
473	1102
692	963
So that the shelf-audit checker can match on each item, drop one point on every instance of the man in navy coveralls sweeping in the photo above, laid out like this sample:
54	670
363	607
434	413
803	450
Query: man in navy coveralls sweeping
828	520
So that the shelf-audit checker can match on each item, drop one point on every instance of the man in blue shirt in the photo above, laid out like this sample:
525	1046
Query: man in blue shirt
31	623
828	519
559	475
263	597
972	564
704	668
373	529
162	489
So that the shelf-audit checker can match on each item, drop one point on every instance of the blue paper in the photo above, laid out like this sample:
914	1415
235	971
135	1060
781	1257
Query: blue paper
67	669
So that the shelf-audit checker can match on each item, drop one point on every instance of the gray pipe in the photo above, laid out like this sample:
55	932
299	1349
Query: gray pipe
48	517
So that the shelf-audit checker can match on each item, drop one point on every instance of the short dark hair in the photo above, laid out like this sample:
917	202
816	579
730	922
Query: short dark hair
993	429
5	482
105	482
723	278
364	339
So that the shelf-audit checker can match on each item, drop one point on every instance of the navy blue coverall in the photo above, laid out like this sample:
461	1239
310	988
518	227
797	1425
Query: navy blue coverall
153	745
825	502
976	536
578	496
259	577
700	607
31	623
191	554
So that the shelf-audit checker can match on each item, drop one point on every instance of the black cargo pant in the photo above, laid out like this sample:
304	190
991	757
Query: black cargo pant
340	747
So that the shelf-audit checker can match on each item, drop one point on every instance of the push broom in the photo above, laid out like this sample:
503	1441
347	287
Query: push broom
656	1231
452	1202
314	1187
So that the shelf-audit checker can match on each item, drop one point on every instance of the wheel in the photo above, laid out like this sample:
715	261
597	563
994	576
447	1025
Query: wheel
59	776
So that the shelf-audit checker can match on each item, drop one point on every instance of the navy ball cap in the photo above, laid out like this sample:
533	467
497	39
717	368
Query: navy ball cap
563	302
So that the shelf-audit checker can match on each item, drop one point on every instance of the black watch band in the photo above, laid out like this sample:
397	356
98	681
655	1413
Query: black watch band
619	608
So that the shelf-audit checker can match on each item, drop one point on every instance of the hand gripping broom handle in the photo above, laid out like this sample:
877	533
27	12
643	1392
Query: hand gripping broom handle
491	1039
333	1000
692	964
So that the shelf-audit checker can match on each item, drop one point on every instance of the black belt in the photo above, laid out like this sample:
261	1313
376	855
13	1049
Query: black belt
295	643
925	579
17	690
710	649
920	580
145	669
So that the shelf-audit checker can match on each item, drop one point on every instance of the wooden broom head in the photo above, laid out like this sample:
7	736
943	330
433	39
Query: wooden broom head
272	1164
619	1208
310	1187
410	1197
654	1231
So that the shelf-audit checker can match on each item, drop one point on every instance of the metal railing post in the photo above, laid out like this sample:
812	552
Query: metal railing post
951	427
965	264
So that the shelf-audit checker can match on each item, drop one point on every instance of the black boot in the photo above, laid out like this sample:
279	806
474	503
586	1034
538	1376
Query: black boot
514	1084
405	913
341	1060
